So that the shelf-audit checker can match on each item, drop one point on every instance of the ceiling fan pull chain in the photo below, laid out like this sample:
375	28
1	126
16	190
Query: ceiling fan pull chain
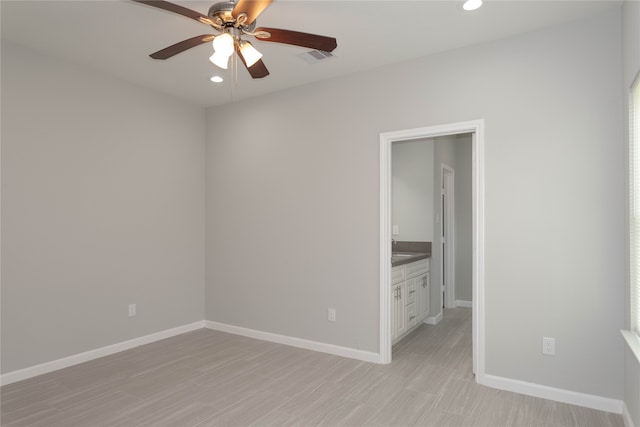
234	75
235	70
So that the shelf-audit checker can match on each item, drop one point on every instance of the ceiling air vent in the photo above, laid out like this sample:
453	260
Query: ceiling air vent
315	56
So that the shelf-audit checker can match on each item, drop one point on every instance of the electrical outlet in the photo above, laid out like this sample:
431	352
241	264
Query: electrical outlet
548	346
331	314
395	230
132	310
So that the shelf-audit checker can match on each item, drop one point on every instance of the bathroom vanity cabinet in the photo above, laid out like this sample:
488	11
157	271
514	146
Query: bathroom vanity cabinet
409	297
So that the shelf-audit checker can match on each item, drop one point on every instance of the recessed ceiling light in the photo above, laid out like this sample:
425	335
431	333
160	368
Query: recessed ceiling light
472	4
217	79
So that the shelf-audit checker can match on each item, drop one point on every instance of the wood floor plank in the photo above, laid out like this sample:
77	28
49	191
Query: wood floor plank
404	408
277	419
246	411
431	379
377	389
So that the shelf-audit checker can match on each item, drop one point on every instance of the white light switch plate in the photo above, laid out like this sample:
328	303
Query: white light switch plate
396	230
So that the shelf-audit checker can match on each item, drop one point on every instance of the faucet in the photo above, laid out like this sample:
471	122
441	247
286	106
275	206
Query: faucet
393	241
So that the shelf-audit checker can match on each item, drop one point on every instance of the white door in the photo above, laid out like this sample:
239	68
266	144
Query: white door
447	231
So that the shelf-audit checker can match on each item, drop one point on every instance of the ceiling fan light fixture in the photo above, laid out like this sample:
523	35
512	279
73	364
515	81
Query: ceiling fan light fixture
223	44
249	53
222	50
472	4
219	60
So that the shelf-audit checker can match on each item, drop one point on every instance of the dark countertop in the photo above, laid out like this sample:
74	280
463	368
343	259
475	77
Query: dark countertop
401	258
415	251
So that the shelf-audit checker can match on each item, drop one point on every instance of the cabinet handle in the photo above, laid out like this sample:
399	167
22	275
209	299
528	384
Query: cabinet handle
412	317
411	292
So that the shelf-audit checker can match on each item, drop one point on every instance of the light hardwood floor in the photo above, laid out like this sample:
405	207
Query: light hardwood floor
209	378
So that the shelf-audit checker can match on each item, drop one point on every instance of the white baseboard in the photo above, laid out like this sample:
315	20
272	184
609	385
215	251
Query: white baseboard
465	304
559	395
433	320
626	416
516	386
337	350
65	362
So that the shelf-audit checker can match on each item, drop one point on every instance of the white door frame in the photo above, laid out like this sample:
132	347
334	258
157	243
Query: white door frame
476	127
447	272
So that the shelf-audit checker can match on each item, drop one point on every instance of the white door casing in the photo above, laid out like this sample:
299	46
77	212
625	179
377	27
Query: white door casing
476	128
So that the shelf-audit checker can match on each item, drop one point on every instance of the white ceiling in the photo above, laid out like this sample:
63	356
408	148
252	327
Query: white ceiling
116	37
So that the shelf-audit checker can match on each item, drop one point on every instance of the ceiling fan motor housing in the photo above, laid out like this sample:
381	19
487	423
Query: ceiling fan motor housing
222	14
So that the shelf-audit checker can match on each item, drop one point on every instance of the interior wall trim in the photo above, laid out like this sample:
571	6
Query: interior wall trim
462	303
337	350
65	362
626	416
557	394
433	320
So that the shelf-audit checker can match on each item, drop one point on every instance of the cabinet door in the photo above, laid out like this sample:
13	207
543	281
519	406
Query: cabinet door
422	297
398	318
394	310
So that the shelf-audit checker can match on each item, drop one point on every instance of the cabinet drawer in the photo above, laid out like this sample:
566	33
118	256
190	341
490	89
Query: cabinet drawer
412	319
411	291
397	274
418	267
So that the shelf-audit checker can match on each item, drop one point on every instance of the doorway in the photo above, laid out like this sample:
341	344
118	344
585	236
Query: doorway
476	128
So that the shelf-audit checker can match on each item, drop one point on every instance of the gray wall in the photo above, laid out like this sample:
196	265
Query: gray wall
630	68
292	180
412	190
102	206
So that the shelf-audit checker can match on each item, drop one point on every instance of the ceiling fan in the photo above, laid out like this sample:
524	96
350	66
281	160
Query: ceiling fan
233	20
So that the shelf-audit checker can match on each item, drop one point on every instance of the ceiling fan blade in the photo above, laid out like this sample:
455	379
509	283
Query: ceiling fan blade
171	7
252	8
312	41
257	70
175	49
